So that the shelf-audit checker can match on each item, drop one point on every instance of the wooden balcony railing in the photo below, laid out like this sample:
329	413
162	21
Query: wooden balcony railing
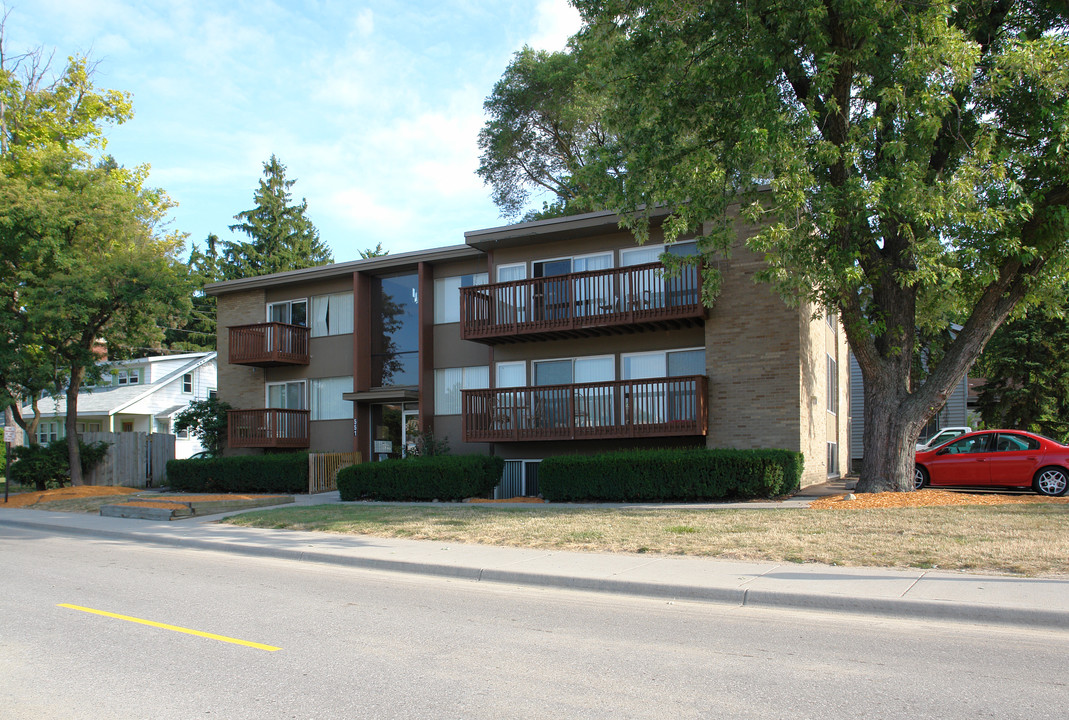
585	303
619	409
267	428
268	344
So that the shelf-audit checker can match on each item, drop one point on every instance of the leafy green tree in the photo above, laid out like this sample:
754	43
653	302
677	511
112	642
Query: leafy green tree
1026	367
542	125
208	421
916	153
82	254
282	236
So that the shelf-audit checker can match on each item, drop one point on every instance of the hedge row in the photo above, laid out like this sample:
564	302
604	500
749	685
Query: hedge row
670	475
437	477
275	473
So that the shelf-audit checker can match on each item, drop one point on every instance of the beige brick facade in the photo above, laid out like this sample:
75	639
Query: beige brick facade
767	363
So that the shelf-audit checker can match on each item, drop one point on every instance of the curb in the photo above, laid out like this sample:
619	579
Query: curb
739	597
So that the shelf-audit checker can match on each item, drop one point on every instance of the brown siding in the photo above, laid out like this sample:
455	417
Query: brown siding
241	386
331	435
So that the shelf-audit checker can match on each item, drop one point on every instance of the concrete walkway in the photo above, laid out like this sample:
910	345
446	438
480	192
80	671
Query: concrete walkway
878	591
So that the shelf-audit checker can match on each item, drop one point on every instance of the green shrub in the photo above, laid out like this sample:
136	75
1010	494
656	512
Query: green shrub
670	475
49	465
273	473
436	477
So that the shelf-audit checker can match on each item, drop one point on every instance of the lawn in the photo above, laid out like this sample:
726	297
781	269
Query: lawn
1027	539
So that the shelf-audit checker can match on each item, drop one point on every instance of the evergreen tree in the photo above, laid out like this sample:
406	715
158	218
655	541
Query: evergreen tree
198	332
1027	371
282	236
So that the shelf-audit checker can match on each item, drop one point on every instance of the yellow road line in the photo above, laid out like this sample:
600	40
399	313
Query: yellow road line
223	638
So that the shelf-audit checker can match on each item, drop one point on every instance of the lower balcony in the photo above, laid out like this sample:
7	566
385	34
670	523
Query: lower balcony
267	428
656	407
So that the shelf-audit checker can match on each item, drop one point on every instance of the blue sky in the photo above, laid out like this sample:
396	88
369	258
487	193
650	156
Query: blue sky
374	107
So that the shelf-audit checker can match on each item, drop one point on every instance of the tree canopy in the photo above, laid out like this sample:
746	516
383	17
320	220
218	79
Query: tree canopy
541	128
916	155
282	237
84	259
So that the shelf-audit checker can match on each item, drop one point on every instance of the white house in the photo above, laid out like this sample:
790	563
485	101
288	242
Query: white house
142	395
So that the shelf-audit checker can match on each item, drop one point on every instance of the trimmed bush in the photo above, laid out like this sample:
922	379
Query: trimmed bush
276	473
436	477
670	475
49	465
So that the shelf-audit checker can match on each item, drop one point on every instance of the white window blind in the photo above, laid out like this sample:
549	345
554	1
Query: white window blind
448	382
326	398
332	314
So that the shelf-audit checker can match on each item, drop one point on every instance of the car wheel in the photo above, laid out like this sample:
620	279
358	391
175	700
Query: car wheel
1051	481
920	478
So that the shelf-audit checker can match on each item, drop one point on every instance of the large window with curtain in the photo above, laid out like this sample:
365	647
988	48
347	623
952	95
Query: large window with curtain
448	382
325	395
447	295
657	403
332	314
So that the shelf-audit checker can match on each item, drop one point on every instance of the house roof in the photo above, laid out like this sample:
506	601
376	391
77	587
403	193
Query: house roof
372	264
113	400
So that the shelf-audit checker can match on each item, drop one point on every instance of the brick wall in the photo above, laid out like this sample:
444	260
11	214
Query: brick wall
241	386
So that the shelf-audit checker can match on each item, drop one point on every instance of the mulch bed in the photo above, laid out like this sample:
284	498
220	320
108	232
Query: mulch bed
925	498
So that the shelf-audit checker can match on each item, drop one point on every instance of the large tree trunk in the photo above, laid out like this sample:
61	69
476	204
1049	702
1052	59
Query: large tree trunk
71	426
892	424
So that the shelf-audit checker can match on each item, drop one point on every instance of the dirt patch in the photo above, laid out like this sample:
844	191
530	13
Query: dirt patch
153	504
925	498
28	499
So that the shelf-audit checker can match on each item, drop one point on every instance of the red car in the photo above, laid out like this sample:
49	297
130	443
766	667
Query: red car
996	458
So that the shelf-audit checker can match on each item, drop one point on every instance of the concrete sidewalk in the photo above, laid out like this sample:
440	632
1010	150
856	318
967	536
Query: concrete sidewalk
877	591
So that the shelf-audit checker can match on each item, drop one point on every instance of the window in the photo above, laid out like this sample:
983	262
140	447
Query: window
128	426
47	432
967	445
163	425
213	394
395	331
286	395
670	363
589	406
291	312
128	377
667	400
833	385
833	459
447	295
511	374
326	398
332	314
84	427
1011	443
187	384
448	382
182	434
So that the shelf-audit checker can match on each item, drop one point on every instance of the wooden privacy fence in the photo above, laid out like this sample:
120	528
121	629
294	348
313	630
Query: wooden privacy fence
323	470
134	459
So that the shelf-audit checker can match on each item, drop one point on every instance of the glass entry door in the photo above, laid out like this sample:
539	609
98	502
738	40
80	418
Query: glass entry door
394	427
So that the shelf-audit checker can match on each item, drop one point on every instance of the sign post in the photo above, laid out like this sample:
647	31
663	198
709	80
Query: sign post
9	437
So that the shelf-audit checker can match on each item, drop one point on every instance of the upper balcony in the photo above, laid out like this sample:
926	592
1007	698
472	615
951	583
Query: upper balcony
267	428
656	407
269	344
596	302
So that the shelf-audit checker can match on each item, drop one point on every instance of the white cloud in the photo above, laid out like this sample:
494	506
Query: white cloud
555	22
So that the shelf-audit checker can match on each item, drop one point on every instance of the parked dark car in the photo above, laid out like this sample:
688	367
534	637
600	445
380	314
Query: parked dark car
996	458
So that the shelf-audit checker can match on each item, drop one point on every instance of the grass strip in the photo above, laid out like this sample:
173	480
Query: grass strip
1023	540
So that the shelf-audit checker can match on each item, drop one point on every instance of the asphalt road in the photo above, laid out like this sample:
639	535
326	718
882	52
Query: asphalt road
359	644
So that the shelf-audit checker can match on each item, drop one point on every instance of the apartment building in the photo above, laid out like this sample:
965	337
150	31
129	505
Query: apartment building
530	340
